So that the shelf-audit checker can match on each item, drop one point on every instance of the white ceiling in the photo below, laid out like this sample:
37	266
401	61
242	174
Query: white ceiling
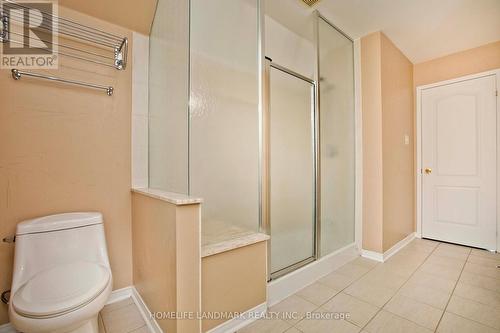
422	29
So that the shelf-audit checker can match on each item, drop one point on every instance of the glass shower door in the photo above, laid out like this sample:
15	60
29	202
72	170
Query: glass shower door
291	170
336	64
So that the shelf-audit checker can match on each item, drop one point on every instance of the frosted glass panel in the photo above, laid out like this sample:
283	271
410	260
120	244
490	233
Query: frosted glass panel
224	133
168	97
291	170
337	138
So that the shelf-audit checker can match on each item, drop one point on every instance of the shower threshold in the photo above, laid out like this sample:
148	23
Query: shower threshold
284	271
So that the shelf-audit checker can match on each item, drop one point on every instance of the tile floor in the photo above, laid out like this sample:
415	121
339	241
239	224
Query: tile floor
426	287
122	317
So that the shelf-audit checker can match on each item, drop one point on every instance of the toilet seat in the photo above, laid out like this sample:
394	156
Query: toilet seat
61	289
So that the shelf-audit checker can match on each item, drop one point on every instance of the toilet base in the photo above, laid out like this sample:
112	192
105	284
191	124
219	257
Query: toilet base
90	326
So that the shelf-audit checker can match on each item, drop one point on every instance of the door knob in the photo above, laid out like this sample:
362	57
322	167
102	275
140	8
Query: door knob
428	171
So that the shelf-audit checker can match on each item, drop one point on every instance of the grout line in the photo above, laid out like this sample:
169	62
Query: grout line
408	279
137	329
453	291
117	307
341	290
477	322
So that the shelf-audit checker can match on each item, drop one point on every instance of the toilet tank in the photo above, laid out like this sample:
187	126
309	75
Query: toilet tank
48	241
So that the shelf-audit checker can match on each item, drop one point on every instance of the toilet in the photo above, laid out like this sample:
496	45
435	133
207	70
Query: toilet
61	275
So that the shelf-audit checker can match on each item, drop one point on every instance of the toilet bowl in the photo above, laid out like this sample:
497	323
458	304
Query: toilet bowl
62	277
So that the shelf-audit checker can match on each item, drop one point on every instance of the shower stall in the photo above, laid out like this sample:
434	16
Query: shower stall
255	114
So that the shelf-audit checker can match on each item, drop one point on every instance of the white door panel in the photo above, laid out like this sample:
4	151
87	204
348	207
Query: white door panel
459	148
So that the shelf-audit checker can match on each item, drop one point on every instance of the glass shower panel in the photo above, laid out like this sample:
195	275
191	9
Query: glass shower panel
224	119
337	138
168	97
291	164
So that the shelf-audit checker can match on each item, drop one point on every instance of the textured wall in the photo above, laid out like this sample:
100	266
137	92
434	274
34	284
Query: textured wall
66	148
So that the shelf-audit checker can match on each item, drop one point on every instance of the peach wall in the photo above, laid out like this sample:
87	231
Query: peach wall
123	13
476	60
372	142
65	148
233	281
387	108
398	161
167	259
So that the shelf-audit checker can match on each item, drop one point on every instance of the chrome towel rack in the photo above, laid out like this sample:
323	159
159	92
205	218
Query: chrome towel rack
107	49
17	74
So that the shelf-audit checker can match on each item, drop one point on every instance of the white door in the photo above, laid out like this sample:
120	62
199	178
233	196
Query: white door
459	162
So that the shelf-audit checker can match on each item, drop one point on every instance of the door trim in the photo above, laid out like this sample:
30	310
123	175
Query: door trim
265	225
418	143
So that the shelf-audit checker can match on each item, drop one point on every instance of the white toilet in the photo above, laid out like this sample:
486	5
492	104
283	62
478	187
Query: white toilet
62	277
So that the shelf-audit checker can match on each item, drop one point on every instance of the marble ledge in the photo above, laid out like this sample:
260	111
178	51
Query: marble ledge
170	197
234	243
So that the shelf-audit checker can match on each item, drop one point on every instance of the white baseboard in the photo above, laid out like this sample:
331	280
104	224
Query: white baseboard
398	246
116	296
146	314
372	255
381	257
289	284
245	319
119	295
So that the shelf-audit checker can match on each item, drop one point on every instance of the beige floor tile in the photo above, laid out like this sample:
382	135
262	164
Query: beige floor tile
457	247
415	311
143	329
484	314
485	254
451	323
432	282
487	262
451	254
478	294
317	293
293	330
365	262
450	273
409	255
445	247
293	308
427	242
125	319
386	322
266	326
359	312
117	305
401	267
482	270
446	261
435	298
337	281
480	281
407	261
384	278
374	295
352	270
417	249
326	325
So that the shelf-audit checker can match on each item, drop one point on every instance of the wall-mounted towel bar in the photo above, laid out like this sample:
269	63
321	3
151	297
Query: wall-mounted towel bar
17	74
106	49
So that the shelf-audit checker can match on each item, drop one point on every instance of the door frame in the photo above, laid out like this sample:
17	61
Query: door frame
418	147
266	224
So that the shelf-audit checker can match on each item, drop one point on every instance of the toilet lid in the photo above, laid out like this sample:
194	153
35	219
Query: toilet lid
61	289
